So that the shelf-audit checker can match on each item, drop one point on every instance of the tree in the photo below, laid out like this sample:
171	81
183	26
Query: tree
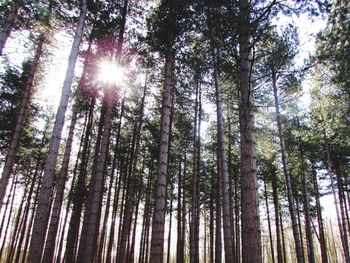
43	209
22	112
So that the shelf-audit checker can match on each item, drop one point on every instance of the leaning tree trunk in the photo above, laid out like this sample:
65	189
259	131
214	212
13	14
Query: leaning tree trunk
50	243
251	235
9	23
157	240
291	201
43	209
23	109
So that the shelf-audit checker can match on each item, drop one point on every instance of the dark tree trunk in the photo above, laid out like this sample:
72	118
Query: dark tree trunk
269	223
45	194
277	216
288	181
251	235
157	241
308	227
8	25
22	113
322	239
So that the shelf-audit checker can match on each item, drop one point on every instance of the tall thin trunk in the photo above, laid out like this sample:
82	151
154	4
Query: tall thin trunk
44	199
9	23
299	225
251	234
283	238
308	227
131	247
344	221
343	235
269	223
87	248
218	225
57	204
10	200
157	240
194	232
170	225
211	219
23	110
291	201
224	177
50	244
132	182
179	256
78	192
322	239
277	217
116	196
17	223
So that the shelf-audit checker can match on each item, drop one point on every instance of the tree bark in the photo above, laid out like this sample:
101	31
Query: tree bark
269	223
9	23
291	201
343	235
251	234
308	227
218	199
224	177
157	240
194	234
277	215
23	110
322	239
132	183
43	209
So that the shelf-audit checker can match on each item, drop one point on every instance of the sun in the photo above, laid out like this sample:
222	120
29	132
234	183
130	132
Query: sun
110	72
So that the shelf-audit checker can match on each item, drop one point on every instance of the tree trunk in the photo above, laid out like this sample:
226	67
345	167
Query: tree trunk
211	219
343	235
179	255
308	227
269	223
277	216
131	184
57	204
224	177
170	224
10	200
218	236
291	201
87	248
43	209
23	110
9	23
194	234
79	191
283	238
322	239
157	240
344	221
251	236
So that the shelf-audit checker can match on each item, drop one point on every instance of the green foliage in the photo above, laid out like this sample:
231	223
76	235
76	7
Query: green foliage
12	85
